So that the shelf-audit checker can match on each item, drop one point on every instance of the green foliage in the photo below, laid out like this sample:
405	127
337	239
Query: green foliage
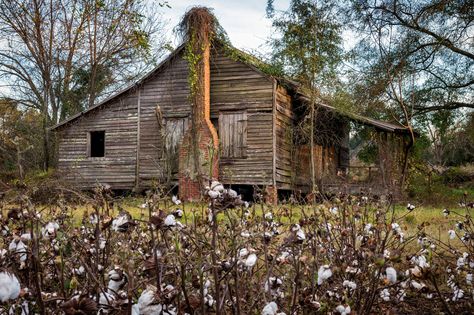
235	54
369	154
411	45
18	134
309	48
76	98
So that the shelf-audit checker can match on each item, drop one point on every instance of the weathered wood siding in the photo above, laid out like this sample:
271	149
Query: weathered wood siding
235	86
130	122
284	126
118	119
169	90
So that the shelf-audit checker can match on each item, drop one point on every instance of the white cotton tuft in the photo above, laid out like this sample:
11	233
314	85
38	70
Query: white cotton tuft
251	260
216	186
232	193
9	286
170	220
300	235
116	280
385	295
343	310
452	234
18	247
146	302
50	229
324	273
175	200
243	252
270	309
391	274
349	284
213	194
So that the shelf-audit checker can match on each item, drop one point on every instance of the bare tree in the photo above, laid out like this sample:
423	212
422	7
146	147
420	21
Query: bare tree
58	56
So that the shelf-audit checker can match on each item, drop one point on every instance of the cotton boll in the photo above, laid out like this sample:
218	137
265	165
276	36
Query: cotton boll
18	247
245	234
170	220
49	231
135	309
343	310
213	194
452	234
268	216
251	260
9	286
391	275
324	273
232	193
106	299
243	252
385	295
469	278
25	237
175	200
178	213
117	279
349	284
300	235
216	186
146	302
122	222
458	294
270	309
417	285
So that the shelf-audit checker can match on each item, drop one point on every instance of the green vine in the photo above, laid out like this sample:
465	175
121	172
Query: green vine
244	57
193	60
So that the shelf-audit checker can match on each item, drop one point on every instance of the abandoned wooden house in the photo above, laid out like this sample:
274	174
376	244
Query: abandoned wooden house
141	136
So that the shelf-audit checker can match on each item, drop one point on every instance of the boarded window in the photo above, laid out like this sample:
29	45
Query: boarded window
173	132
233	134
96	144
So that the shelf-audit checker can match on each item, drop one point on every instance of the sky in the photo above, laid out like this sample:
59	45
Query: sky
243	20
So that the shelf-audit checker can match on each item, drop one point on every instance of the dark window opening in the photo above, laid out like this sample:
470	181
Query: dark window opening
215	123
97	144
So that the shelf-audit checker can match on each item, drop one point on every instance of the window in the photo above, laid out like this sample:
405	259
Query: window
233	134
97	144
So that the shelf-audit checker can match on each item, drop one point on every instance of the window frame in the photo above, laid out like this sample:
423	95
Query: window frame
89	143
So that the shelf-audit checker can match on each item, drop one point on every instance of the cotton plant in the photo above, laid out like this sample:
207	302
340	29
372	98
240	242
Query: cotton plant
347	255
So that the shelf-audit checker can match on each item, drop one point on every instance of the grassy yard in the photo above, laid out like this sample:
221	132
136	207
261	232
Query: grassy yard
431	217
436	224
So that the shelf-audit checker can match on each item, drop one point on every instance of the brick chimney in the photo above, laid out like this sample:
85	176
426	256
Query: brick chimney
198	153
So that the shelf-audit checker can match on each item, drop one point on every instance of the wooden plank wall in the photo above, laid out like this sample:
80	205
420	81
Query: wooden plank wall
234	87
117	168
237	87
169	90
284	125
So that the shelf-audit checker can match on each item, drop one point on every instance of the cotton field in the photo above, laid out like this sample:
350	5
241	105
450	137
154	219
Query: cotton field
346	255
